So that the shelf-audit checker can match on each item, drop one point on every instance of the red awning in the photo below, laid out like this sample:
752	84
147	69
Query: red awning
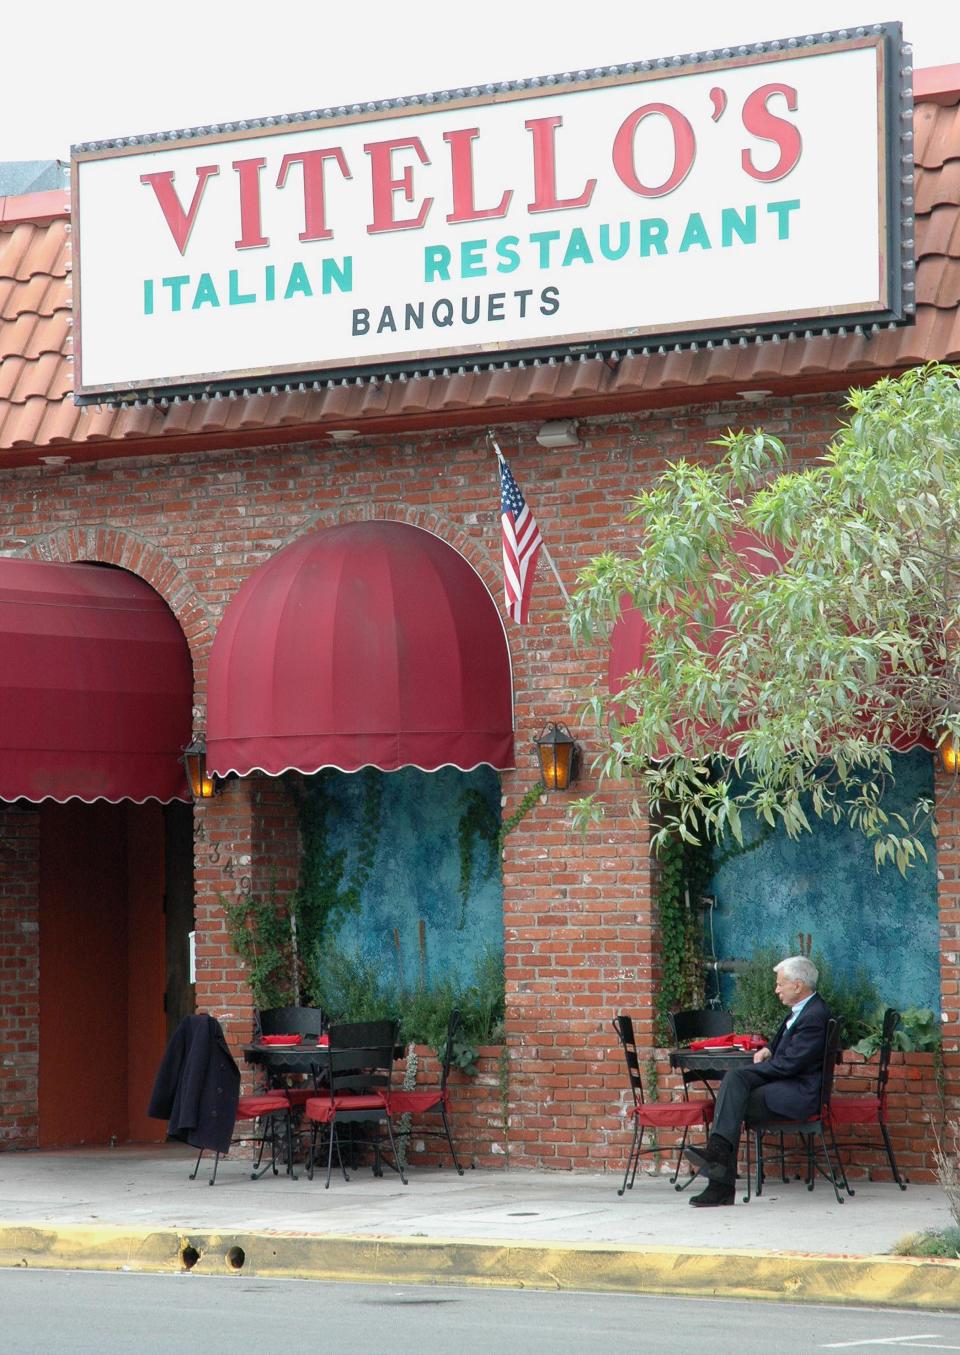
96	686
368	644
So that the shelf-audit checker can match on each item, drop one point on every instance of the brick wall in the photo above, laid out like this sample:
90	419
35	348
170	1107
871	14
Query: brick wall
482	1116
19	977
579	935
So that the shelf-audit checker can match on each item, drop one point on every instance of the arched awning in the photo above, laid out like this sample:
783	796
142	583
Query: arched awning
368	644
96	686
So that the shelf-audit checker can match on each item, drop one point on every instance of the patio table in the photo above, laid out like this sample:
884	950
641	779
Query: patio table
710	1062
280	1061
708	1065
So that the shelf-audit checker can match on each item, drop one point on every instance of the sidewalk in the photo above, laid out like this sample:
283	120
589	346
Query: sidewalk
134	1208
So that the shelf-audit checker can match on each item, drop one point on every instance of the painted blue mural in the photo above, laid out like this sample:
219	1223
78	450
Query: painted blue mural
413	921
827	885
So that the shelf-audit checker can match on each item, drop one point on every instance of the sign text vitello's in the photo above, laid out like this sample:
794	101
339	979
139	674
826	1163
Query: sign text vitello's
395	168
763	191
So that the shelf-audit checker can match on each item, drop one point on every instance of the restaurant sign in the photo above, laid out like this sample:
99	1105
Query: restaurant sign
745	192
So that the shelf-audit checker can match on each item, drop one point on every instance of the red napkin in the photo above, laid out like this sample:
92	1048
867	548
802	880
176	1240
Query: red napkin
748	1042
323	1041
281	1039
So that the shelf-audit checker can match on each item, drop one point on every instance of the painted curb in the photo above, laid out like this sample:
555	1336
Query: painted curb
903	1282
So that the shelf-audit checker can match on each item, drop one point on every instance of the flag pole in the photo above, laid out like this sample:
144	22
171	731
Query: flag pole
492	440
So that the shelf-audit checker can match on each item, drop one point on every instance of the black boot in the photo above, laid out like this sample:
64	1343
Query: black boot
714	1160
716	1193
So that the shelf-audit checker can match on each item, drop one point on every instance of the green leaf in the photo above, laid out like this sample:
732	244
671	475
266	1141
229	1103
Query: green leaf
796	662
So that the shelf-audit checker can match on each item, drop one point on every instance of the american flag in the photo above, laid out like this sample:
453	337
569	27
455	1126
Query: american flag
521	546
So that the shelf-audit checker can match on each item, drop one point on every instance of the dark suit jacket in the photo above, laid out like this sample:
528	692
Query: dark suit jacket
198	1085
793	1074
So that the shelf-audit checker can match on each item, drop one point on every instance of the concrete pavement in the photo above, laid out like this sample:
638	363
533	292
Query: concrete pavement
135	1208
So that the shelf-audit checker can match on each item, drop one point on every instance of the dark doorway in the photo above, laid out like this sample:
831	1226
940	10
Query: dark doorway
104	978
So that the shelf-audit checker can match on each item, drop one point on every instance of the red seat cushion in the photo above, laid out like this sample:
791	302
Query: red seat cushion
321	1108
855	1110
674	1114
402	1102
261	1103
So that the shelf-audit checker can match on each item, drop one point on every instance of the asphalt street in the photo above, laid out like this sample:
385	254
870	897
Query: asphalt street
82	1313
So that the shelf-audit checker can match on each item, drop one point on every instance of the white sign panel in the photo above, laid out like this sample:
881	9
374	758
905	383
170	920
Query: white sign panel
727	195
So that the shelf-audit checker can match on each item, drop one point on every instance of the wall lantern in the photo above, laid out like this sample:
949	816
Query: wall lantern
203	786
950	754
559	755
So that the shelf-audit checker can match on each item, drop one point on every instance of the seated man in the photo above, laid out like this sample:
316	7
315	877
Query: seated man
784	1080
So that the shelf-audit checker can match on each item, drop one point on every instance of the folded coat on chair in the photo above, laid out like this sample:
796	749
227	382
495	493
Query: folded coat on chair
197	1086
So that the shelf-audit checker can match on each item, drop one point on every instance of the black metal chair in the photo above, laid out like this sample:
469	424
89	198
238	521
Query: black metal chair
357	1092
306	1021
871	1108
413	1102
699	1023
812	1131
362	1034
685	1114
290	1021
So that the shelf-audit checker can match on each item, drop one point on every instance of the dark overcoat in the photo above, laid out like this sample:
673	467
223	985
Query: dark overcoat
793	1075
197	1085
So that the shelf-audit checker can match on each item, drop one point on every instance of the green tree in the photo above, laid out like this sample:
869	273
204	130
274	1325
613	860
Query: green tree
837	587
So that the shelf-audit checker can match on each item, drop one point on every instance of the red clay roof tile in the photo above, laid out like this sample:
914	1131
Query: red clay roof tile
934	187
938	281
36	410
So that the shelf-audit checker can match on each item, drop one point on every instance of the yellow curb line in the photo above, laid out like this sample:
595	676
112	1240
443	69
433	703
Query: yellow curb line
903	1282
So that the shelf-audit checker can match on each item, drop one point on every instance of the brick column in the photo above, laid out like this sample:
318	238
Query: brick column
245	842
947	791
578	941
19	977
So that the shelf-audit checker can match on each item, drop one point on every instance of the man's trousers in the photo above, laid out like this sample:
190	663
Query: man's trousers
740	1098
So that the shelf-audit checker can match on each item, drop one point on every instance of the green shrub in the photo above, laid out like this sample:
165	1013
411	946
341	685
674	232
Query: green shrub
931	1243
919	1030
852	999
756	1008
348	987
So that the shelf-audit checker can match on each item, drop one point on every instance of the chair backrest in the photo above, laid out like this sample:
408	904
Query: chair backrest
698	1023
623	1025
359	1070
290	1021
891	1019
363	1034
830	1048
453	1025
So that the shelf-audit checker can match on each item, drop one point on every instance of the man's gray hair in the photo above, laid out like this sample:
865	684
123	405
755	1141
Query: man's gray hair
798	967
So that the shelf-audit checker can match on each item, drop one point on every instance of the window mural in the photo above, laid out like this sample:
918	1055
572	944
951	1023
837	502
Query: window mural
402	868
826	885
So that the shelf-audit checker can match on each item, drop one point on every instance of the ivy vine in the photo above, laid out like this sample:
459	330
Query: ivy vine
260	933
529	799
331	882
685	869
478	821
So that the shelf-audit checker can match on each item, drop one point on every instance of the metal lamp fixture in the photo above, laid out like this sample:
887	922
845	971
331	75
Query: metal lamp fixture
950	754
559	755
559	433
203	786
